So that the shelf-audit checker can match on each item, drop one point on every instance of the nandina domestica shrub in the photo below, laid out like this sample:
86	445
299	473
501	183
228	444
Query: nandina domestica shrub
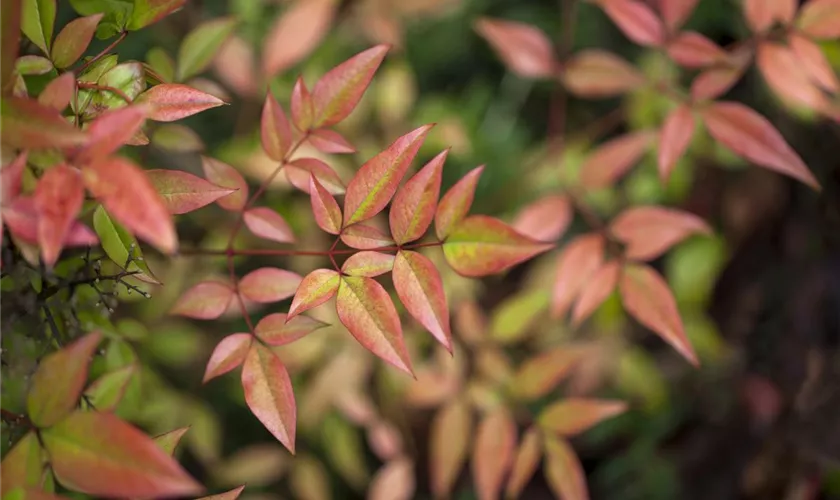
76	203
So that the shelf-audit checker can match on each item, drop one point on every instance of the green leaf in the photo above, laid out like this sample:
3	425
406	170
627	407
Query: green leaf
33	65
23	465
37	21
515	317
92	75
161	62
115	14
117	243
128	77
169	440
201	45
107	391
148	12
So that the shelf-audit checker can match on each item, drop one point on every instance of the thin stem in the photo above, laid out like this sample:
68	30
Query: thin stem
105	88
100	55
13	418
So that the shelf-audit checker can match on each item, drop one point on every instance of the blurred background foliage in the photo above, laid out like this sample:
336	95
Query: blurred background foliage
757	420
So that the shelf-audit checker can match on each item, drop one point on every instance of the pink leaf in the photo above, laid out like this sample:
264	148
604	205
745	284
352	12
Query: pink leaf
268	393
377	180
268	224
225	176
394	481
110	131
579	260
296	33
28	124
229	353
269	284
368	264
329	141
612	159
596	291
820	19
693	50
647	298
414	204
173	101
715	82
761	14
649	231
11	177
277	329
674	139
366	309
753	137
58	198
324	207
596	73
59	92
786	76
338	92
206	300
316	288
545	219
301	104
456	203
524	49
364	237
812	59
676	12
183	192
73	40
563	470
525	464
299	171
492	456
636	20
420	289
275	131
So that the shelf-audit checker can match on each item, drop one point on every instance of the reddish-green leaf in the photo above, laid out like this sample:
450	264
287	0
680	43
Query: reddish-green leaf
595	291
229	353
377	180
545	219
676	12
492	455
612	159
169	441
338	92
228	495
37	20
99	454
201	45
456	203
324	207
480	245
269	284
110	130
295	34
648	299
299	171
58	93
523	48
183	192
106	392
674	139
649	231
563	470
27	124
147	12
58	198
206	300
414	204
225	176
752	136
23	465
572	416
451	432
268	224
275	130
59	381
268	393
72	41
368	264
526	462
316	288
693	50
596	73
420	289
301	104
366	309
330	141
173	101
820	19
814	61
540	374
277	329
576	264
364	237
131	198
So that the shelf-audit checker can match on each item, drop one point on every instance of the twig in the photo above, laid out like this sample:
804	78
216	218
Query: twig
99	56
104	88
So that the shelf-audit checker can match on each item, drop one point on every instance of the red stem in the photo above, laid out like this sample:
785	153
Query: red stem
106	88
99	56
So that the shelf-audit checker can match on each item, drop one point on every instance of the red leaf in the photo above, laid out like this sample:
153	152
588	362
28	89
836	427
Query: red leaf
761	14
492	455
21	217
206	300
753	137
338	92
316	288
545	219
275	131
330	141
596	73
301	104
324	207
173	101
820	19
581	258
368	264
99	454
130	197
414	204
674	139
299	171
268	224
223	175
676	12
110	131
814	62
420	289
636	20
365	237
596	291
183	192
228	495
268	393
786	76
538	375
58	199
276	329
480	246
649	231
269	284
523	48
394	481
295	34
451	431
59	92
59	380
73	40
563	470
647	298
693	50
572	416
456	203
229	353
366	309
11	177
612	159
377	180
525	464
27	124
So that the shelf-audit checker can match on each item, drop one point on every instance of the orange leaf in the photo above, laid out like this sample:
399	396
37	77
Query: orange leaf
524	49
299	171
596	291
578	261
394	481
420	289
58	199
812	59
572	416
206	300
596	73
787	77
450	435
538	375
338	92
269	284
225	176
647	298
275	131
183	192
414	204
229	353
676	12
456	203
820	19
268	224
365	237
330	141
649	231
316	288
693	50
173	101
27	124
295	34
674	139
324	207
492	455
73	40
612	159
525	464
753	137
368	264
545	219
268	393
636	20
276	329
563	470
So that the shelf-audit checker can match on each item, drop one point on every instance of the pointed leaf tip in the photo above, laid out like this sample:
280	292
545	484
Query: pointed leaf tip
268	393
420	288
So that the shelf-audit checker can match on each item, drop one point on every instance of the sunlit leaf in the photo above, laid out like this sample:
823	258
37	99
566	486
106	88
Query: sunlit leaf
451	433
228	354
275	329
595	73
206	300
611	160
58	199
298	172
72	41
28	124
563	470
225	176
268	224
545	219
316	288
523	48
106	392
330	141
268	392
37	20
184	192
578	261
296	33
572	416
420	289
492	454
368	264
173	101
201	45
540	374
269	284
525	463
595	291
674	138
394	481
649	231
364	237
110	131
413	207
456	203
324	207
275	131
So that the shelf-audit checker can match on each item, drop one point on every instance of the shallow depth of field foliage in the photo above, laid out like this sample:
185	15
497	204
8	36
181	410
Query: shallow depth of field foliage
394	249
